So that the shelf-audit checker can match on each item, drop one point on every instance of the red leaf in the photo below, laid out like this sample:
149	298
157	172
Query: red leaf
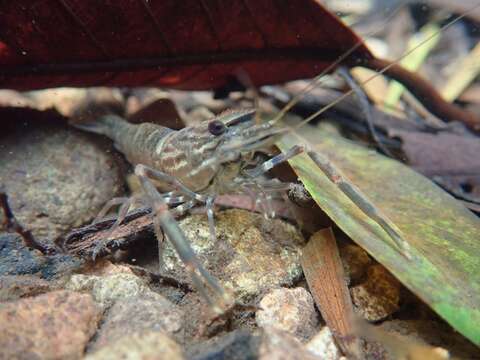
187	44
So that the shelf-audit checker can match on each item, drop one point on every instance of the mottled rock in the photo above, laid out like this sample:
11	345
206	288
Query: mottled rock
18	259
250	256
323	345
56	178
137	315
355	261
54	325
279	345
237	345
379	296
140	346
106	290
268	344
291	310
14	287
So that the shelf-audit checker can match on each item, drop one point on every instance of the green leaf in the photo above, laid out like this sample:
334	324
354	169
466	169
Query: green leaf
444	236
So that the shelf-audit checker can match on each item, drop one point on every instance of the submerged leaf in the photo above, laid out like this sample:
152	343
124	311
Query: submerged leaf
443	264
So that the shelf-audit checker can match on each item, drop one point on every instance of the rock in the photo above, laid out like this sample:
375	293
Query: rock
18	259
355	261
138	315
56	178
379	296
323	345
14	287
268	344
140	346
237	345
250	256
106	290
56	325
291	310
279	345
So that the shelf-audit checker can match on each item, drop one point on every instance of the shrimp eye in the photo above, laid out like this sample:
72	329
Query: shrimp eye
216	127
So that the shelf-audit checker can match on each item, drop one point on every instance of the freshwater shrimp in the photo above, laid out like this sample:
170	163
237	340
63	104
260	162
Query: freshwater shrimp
193	165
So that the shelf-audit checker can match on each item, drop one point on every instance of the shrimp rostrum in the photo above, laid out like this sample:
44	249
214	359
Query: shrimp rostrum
179	170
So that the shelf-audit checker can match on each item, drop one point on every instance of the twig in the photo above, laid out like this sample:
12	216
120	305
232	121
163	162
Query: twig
325	276
12	224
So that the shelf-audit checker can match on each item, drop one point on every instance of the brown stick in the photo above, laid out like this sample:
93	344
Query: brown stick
424	92
323	270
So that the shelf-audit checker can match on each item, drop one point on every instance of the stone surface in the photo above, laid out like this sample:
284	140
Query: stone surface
56	178
323	345
17	259
140	346
279	345
56	325
268	344
379	296
137	315
291	310
106	290
14	287
355	262
251	254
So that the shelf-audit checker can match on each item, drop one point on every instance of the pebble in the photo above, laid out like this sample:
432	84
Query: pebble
55	325
56	178
14	287
251	254
279	345
150	345
379	296
355	262
108	289
268	344
136	315
323	345
291	310
18	259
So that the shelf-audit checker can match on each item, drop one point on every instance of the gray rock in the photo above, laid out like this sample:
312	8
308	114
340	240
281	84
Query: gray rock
251	255
279	345
137	315
268	344
323	345
106	290
56	178
17	259
291	310
140	346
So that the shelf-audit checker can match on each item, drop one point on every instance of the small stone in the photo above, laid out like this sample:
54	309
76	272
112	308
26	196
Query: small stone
18	259
140	346
14	287
56	178
106	290
379	296
250	256
137	315
355	261
56	325
323	345
268	344
279	345
291	310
